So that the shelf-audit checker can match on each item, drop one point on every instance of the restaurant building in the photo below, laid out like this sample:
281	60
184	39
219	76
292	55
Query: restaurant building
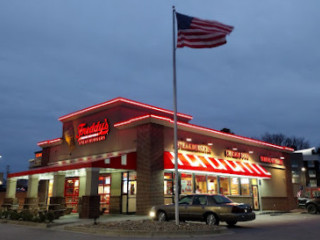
118	156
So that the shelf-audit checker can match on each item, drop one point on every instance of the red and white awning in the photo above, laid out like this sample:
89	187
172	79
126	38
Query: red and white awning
193	162
122	161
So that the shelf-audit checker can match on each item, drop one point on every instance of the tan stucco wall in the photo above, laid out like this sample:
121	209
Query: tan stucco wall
276	186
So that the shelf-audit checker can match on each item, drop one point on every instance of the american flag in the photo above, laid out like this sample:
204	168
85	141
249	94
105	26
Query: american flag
197	33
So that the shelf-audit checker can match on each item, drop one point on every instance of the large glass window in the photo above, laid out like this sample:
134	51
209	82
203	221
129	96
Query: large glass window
201	184
245	186
168	184
312	173
212	184
186	183
311	164
313	183
234	186
224	186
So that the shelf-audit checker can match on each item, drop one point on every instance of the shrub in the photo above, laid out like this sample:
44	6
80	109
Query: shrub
26	215
42	217
14	215
36	219
5	214
50	216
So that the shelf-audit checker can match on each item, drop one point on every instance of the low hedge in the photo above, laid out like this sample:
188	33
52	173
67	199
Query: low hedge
27	215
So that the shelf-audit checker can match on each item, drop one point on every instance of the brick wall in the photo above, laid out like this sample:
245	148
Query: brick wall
20	196
247	200
115	204
89	207
275	203
291	200
150	148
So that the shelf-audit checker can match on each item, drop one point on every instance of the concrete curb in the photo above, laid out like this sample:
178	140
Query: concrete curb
137	233
26	223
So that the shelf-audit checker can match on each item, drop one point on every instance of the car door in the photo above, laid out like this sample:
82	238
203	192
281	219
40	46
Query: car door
197	208
184	205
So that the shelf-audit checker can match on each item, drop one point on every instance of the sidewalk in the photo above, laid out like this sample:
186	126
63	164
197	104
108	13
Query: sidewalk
73	219
72	222
275	212
118	225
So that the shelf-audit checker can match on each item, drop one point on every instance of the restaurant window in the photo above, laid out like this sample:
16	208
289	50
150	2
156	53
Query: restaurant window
200	184
313	183
234	186
224	186
245	186
312	173
311	164
168	187
186	183
212	184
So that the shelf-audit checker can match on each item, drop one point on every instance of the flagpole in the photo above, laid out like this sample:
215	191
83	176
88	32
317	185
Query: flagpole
175	140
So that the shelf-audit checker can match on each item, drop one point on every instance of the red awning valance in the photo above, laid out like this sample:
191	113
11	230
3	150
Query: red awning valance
124	161
201	163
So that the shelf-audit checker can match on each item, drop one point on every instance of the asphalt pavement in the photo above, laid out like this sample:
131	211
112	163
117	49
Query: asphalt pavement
268	225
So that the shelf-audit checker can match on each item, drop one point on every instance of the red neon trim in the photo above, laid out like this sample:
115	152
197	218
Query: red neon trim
122	100
189	125
132	120
47	142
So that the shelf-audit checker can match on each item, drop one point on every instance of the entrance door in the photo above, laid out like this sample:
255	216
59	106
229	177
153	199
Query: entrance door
255	195
71	193
129	191
104	191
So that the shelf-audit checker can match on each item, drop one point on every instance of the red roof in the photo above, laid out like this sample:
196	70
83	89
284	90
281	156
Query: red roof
121	100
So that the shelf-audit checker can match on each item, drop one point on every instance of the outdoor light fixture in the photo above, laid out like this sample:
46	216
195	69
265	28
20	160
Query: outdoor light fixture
189	139
234	149
281	157
303	169
250	152
210	144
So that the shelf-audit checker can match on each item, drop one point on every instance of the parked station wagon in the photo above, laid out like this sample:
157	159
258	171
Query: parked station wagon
210	208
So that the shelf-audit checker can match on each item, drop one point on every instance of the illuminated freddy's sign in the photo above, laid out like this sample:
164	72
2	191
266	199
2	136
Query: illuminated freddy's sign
94	133
237	155
193	147
271	160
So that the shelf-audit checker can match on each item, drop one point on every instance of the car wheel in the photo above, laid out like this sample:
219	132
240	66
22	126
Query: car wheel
312	209
212	219
162	217
232	222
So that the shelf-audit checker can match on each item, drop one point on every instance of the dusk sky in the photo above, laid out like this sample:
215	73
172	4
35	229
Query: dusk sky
60	56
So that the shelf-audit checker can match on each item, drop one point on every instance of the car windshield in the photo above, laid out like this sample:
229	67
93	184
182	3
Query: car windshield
221	199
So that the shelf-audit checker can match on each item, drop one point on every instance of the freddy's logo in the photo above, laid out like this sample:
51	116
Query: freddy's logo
95	132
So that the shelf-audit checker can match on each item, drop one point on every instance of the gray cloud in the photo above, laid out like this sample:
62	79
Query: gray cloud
60	56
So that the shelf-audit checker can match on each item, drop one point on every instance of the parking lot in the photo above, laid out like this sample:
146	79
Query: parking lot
296	225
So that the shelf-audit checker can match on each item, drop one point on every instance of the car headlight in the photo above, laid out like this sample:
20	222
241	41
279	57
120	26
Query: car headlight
152	214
